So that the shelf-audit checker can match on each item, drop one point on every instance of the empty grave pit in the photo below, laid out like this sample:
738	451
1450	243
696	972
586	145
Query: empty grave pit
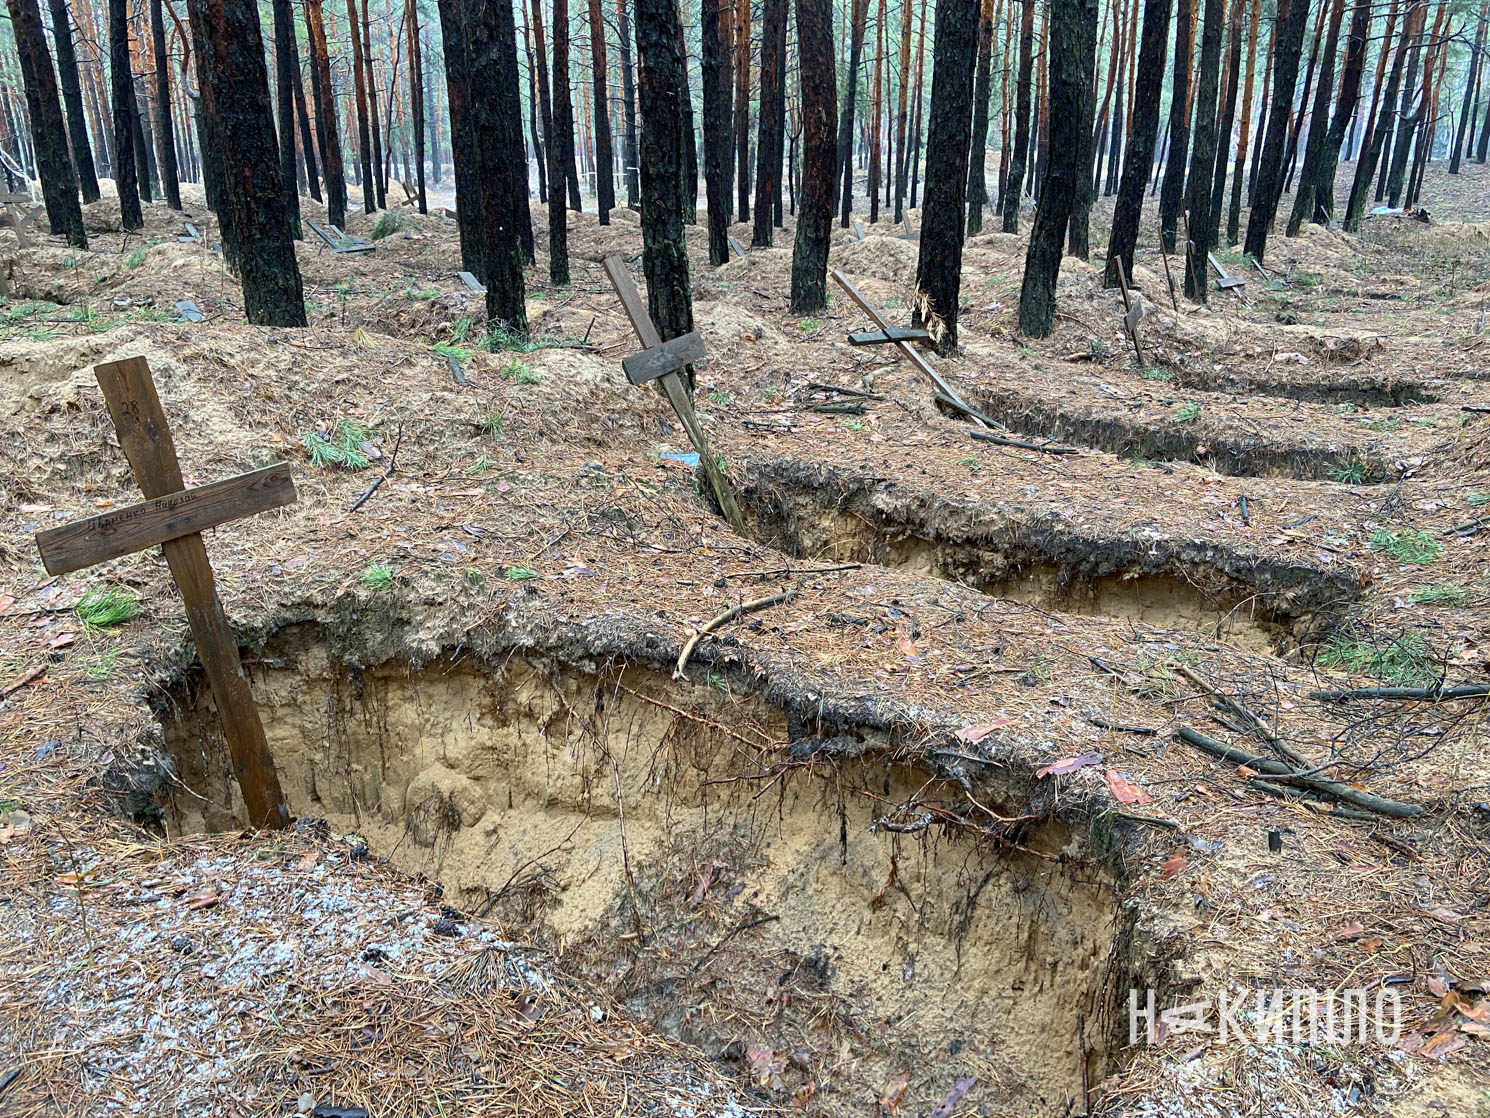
671	848
1263	605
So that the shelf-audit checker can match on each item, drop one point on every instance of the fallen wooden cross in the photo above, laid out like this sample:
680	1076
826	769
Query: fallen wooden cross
192	233
189	311
470	281
734	246
890	334
336	240
672	355
658	355
1227	282
175	517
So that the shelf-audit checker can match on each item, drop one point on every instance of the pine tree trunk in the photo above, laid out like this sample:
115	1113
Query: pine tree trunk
901	112
875	105
72	98
977	175
915	152
1014	192
165	134
1227	117
364	136
1139	157
497	123
307	143
380	178
456	39
233	66
858	21
539	68
1078	231
1263	113
1374	140
327	132
714	46
560	150
59	184
605	183
1172	193
121	80
416	98
769	137
776	217
1471	91
661	80
209	136
284	35
819	158
1390	185
144	149
939	265
537	108
1203	158
1071	43
1346	102
742	106
1234	210
690	154
1319	126
1289	44
628	103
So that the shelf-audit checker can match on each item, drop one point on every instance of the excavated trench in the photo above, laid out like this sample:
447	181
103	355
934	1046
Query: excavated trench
780	882
1257	602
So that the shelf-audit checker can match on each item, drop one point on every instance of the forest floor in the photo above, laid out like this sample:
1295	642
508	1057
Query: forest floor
902	842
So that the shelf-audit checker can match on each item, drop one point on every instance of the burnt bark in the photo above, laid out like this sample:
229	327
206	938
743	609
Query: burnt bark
1319	125
284	77
165	132
121	84
939	265
819	123
416	97
326	124
977	176
1471	92
605	183
742	107
364	137
1407	123
628	104
1202	225
561	169
233	66
545	104
1287	48
1014	191
714	40
72	98
380	176
59	184
1226	118
1172	193
1078	231
661	81
455	38
1377	129
1345	106
1139	156
307	141
858	18
768	145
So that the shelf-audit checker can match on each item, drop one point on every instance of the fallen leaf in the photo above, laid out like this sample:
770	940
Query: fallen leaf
894	1090
953	1097
1437	985
1442	1045
1351	931
1124	791
906	647
1070	764
972	734
765	1065
1173	866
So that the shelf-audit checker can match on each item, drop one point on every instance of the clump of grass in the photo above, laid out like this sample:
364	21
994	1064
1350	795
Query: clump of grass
492	423
103	608
969	461
502	339
520	574
854	424
720	397
460	329
450	349
1407	546
1349	473
1380	426
1478	500
136	258
389	224
346	448
1401	661
377	576
1440	594
1188	412
1156	374
519	373
807	325
423	294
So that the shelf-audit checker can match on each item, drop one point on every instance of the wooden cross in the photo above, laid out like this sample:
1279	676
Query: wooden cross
175	517
910	233
662	361
1227	282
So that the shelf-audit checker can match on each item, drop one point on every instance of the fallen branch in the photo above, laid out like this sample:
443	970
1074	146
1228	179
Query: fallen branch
968	410
794	571
1048	448
1404	694
392	462
1335	790
1254	722
819	386
1469	527
724	619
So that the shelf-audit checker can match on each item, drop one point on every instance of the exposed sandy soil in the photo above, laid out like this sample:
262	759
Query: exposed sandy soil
827	871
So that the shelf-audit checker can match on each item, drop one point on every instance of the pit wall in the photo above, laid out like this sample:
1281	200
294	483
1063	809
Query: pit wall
581	803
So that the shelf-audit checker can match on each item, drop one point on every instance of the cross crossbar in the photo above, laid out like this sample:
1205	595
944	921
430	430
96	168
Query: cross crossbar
669	357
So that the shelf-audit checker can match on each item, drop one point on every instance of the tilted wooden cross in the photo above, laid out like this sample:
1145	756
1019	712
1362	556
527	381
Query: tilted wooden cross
1137	311
662	361
175	517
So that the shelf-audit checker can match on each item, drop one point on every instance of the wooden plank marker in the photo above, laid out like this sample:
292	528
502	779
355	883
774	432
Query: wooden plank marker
735	246
858	230
658	354
174	517
470	281
910	233
189	311
1227	282
1136	310
889	335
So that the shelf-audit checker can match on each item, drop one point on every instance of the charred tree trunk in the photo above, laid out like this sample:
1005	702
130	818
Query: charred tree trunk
859	18
901	113
537	73
1234	210
1376	128
690	177
1319	125
416	99
560	150
977	176
661	79
284	37
714	39
742	106
1014	192
323	92
1345	107
605	183
165	132
364	136
1289	43
1471	90
72	97
819	112
939	265
307	143
1390	185
1227	116
1071	43
1172	193
121	82
59	185
1203	159
380	176
252	192
628	104
144	152
497	123
545	104
1139	158
770	137
1078	233
456	39
875	105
